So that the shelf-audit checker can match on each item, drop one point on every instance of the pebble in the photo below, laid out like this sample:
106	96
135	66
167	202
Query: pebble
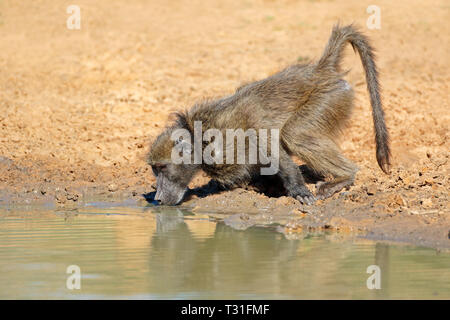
427	203
112	187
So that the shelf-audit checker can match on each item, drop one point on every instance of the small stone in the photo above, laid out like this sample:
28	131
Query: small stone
285	201
297	211
293	226
396	200
244	217
60	197
408	180
112	187
371	189
427	203
72	196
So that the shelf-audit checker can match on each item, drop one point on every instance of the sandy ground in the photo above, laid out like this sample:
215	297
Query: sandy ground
79	107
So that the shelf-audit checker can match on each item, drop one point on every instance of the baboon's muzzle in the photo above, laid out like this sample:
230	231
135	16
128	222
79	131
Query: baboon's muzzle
169	192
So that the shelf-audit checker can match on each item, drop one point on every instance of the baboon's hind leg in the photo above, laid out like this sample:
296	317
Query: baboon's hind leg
310	135
323	155
327	189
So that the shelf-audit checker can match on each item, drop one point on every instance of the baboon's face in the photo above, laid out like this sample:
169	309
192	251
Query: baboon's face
171	179
171	182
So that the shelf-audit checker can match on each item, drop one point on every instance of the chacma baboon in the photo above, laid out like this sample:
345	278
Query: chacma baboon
308	103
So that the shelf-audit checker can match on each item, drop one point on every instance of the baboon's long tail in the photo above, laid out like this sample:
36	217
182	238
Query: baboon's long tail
331	59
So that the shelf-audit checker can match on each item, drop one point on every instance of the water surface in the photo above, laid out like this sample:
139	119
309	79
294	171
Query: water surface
159	253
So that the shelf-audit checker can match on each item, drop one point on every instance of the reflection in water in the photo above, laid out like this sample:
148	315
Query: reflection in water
169	253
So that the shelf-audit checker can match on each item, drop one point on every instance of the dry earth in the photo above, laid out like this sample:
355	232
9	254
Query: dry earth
79	107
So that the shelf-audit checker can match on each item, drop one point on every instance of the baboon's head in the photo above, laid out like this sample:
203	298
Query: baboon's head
171	179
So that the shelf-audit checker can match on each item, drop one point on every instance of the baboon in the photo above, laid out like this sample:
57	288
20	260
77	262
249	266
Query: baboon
308	103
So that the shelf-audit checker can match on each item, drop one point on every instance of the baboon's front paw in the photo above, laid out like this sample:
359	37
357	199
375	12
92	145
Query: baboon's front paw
302	194
305	196
309	200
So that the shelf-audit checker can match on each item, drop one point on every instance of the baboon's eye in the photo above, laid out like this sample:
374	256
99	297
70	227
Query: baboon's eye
160	166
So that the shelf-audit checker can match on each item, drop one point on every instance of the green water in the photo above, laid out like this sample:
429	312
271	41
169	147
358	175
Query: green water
153	253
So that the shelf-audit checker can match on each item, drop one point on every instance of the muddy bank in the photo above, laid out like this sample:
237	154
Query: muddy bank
372	219
409	206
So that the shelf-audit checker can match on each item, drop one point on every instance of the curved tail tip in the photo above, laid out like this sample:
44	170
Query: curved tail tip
383	159
385	165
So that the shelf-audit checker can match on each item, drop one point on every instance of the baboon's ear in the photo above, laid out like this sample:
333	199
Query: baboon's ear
180	119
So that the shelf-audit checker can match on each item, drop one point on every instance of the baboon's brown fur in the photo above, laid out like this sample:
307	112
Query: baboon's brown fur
308	103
